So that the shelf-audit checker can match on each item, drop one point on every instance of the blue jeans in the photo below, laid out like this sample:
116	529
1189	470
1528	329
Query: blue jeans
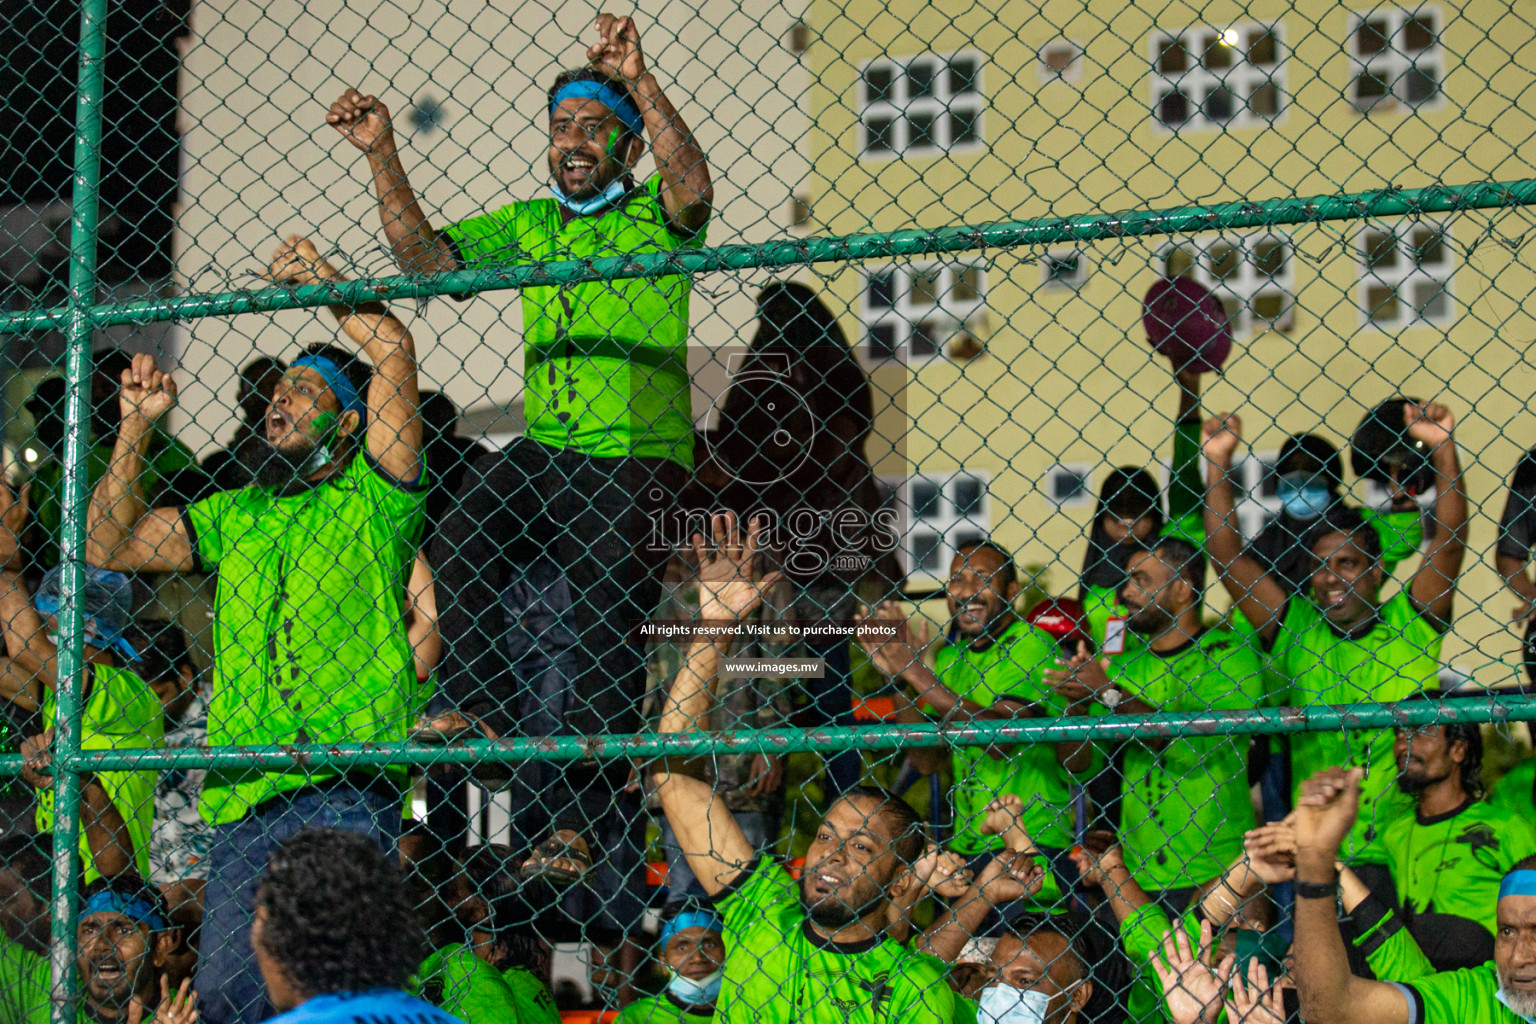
228	982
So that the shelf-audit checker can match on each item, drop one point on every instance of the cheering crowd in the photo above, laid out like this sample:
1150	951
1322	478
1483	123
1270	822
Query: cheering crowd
375	578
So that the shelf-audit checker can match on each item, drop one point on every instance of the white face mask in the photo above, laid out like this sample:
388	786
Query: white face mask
1004	1004
695	993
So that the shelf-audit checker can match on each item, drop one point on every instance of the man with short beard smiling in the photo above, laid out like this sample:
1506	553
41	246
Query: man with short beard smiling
1185	803
815	952
994	669
1502	991
609	442
1449	856
1341	643
312	566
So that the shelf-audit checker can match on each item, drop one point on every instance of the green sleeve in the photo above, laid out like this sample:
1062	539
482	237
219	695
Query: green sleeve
1389	948
966	1011
487	238
1513	790
760	889
1401	535
1141	935
403	503
463	985
23	984
204	519
1456	997
1186	491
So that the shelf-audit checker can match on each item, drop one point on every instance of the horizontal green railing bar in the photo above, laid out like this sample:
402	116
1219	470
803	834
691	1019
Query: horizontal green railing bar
318	756
1388	202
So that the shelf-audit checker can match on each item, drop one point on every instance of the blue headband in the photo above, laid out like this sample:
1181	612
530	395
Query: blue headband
135	907
338	382
1518	883
706	919
622	106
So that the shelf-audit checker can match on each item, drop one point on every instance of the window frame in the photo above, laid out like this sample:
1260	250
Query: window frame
1244	323
897	106
1087	498
1242	79
1396	61
1368	276
949	527
907	318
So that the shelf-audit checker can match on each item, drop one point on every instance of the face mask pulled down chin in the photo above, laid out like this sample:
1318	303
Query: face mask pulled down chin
701	992
607	197
1004	1004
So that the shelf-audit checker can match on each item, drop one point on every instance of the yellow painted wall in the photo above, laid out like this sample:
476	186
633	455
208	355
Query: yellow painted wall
1067	376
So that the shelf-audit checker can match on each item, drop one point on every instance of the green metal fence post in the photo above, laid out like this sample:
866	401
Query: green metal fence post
82	299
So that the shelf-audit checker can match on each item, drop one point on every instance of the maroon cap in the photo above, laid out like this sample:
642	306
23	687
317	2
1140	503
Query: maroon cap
1064	619
1186	323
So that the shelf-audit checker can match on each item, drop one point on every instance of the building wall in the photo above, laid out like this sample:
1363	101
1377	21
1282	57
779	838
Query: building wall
1066	376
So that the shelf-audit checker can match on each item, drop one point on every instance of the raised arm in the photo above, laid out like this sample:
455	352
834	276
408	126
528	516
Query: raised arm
1100	863
1434	586
365	123
1325	812
707	833
394	435
686	191
1011	875
1261	599
122	532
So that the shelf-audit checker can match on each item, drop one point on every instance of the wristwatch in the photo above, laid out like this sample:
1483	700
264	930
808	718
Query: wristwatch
1111	696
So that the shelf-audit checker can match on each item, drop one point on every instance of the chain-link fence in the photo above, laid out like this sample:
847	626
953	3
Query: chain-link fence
838	512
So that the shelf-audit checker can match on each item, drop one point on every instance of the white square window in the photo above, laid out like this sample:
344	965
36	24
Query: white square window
1067	486
1063	270
1211	77
1405	273
1397	62
1251	275
938	513
922	105
915	311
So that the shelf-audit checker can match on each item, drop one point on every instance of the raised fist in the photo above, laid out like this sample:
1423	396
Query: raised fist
362	121
146	391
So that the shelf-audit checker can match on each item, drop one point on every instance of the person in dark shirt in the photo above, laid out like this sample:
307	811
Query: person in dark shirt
1512	554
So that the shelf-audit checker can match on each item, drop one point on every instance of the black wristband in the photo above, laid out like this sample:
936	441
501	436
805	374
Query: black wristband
1316	890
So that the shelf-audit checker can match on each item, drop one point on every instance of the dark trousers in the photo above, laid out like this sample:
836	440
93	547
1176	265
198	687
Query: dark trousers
597	519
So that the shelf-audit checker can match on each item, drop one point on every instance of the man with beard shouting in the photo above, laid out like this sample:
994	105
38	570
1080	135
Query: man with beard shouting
312	564
816	952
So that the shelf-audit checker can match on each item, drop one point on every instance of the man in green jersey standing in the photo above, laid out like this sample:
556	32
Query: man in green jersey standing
995	669
693	952
1342	644
1184	805
1450	854
312	565
1501	991
815	952
610	433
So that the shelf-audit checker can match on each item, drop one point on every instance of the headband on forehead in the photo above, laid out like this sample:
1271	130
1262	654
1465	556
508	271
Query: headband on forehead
346	392
1518	883
706	919
622	106
135	907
